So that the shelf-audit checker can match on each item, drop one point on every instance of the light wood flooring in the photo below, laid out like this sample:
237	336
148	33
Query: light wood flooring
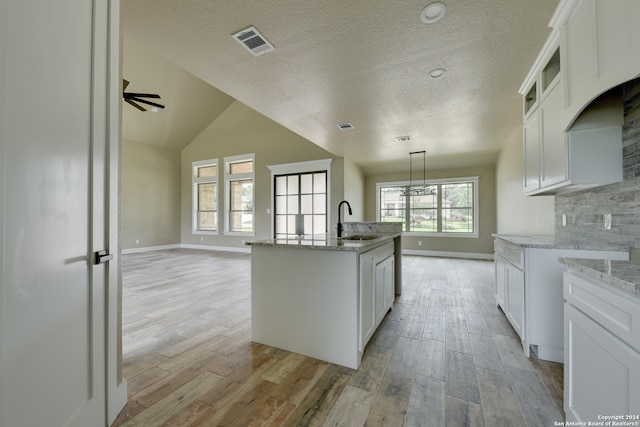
445	355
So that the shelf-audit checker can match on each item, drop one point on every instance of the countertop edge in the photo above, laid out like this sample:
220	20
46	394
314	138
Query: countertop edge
616	273
332	243
553	242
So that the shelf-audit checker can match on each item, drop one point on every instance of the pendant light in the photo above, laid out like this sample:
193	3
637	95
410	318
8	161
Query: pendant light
417	191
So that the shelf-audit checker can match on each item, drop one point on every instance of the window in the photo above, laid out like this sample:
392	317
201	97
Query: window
205	196
439	207
238	177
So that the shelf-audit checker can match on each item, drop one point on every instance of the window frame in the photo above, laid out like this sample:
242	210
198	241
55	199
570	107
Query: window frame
228	179
195	180
439	182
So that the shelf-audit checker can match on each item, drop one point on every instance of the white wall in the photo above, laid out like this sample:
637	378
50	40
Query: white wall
517	214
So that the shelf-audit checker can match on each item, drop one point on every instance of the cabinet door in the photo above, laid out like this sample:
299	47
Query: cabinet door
500	285
531	151
367	300
616	63
553	144
600	373
515	296
581	56
379	291
389	283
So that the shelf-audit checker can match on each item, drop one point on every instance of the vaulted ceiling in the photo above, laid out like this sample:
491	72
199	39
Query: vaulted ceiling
360	61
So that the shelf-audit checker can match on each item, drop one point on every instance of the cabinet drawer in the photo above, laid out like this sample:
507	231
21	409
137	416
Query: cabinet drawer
512	253
616	311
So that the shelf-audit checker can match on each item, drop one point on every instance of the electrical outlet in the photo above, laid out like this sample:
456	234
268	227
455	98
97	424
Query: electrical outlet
564	220
137	242
607	221
419	242
202	238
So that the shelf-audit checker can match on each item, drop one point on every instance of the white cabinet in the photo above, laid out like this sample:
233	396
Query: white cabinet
500	282
588	154
384	284
572	133
509	285
367	300
377	290
528	288
553	144
545	145
515	297
602	350
600	39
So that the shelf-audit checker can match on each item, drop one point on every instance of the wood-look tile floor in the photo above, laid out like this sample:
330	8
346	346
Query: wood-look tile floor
445	355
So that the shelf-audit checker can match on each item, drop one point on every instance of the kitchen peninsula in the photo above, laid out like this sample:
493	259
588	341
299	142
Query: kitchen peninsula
324	296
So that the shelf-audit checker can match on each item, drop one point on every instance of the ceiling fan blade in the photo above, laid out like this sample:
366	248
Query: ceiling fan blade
141	95
147	102
130	102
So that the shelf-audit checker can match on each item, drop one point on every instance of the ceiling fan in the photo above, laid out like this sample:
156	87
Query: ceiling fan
134	98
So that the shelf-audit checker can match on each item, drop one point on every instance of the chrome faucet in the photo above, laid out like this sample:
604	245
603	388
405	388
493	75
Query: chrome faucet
339	220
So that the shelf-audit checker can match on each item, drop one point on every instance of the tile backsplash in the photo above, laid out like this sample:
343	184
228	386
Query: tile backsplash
585	209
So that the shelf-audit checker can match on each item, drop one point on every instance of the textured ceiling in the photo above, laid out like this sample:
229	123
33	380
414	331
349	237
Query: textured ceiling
359	61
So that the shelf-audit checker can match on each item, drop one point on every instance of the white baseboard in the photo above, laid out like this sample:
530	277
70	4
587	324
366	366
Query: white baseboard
466	255
246	250
149	249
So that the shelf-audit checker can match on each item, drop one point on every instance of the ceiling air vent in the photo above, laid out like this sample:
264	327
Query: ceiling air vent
253	41
406	138
345	126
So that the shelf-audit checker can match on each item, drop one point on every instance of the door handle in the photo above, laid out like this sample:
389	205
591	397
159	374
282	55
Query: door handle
102	257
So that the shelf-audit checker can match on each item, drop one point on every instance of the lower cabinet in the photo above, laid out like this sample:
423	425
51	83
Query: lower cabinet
384	286
514	279
510	285
377	290
366	304
528	288
602	354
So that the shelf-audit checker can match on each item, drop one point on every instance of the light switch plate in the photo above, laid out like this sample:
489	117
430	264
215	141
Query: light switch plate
564	220
607	221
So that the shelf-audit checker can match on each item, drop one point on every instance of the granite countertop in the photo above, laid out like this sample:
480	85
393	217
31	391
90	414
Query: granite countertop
624	275
330	242
553	242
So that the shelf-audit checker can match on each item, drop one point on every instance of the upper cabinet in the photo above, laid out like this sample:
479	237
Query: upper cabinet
572	132
601	41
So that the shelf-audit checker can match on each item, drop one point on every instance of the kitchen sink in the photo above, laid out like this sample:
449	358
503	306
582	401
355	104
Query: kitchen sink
359	237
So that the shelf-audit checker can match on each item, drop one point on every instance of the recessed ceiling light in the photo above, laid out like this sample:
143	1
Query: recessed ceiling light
436	73
345	126
433	12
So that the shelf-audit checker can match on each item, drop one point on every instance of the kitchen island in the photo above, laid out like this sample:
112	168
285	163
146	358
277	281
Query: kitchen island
323	296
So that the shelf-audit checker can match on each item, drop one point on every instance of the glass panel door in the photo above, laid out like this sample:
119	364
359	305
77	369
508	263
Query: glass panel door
300	204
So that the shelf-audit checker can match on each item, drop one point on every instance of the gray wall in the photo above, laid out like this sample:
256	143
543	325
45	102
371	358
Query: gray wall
241	130
517	213
585	209
150	198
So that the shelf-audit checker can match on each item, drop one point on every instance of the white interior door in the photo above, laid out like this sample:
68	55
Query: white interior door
53	96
